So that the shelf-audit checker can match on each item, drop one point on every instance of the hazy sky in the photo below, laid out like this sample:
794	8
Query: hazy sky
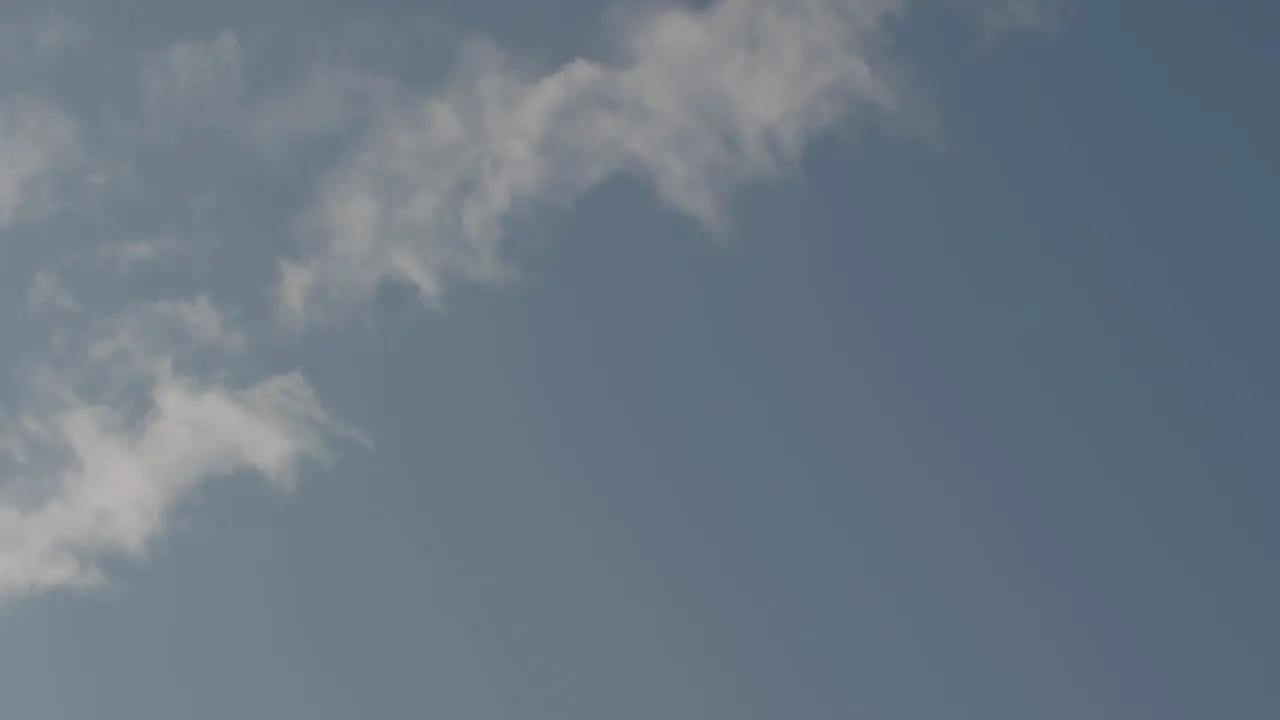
883	359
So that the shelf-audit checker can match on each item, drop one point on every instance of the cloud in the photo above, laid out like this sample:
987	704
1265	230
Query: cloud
699	102
128	413
125	255
40	148
48	291
115	439
331	97
149	328
1004	15
194	81
39	35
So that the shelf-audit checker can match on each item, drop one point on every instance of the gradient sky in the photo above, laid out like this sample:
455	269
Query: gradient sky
873	359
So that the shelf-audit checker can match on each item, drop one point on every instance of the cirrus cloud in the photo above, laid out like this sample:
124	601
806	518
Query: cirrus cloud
700	103
130	407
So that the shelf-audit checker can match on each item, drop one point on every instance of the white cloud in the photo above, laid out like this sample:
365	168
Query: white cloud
131	414
194	81
146	330
699	102
112	442
40	146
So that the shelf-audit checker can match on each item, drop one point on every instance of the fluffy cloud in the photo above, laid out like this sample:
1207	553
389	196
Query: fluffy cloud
116	436
699	102
116	480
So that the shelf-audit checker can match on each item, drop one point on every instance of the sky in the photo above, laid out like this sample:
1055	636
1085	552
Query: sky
638	358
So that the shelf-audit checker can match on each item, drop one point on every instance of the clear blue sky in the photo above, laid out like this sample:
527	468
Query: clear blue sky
775	359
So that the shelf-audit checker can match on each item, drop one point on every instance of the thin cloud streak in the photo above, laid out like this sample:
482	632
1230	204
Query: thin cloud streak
699	103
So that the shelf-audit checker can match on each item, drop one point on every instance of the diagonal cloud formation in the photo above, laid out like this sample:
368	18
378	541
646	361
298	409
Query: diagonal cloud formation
123	408
132	411
700	102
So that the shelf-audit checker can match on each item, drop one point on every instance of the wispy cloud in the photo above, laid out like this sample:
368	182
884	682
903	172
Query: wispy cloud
148	329
698	101
124	255
115	436
40	148
1005	15
194	81
331	97
37	35
136	404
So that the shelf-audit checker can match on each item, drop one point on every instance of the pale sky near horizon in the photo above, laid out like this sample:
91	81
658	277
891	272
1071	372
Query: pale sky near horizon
638	359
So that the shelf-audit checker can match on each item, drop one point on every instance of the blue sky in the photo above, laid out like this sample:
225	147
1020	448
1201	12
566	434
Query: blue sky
753	359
